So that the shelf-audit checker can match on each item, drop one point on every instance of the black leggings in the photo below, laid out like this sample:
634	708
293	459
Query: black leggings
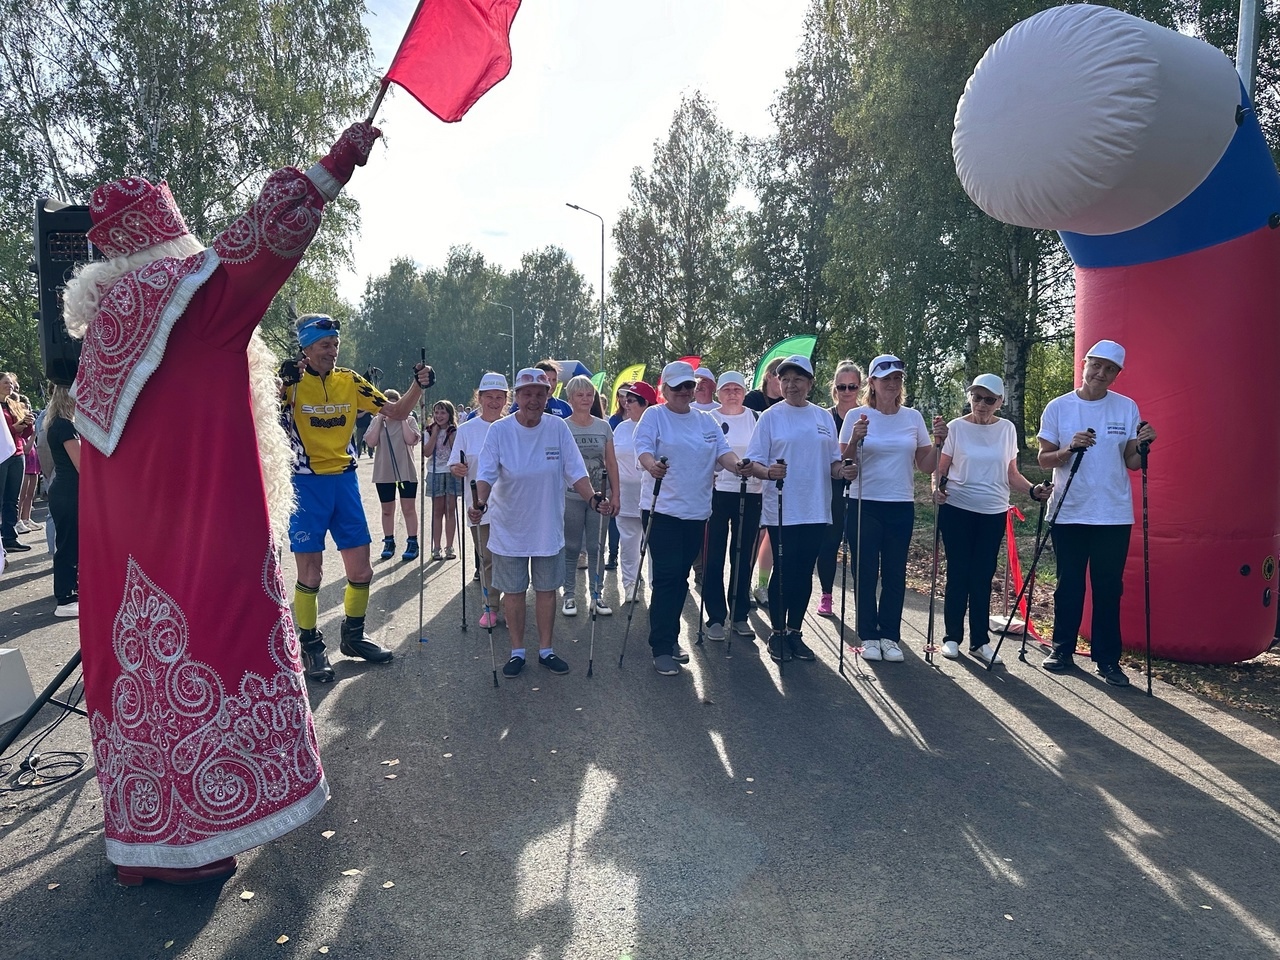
64	507
972	542
795	549
831	539
724	516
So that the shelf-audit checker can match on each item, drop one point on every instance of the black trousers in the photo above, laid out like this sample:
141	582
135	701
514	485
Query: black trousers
10	488
795	550
723	533
972	543
1102	550
64	507
673	545
881	556
831	539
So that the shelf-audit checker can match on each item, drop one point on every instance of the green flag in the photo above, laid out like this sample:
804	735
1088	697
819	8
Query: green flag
597	381
792	346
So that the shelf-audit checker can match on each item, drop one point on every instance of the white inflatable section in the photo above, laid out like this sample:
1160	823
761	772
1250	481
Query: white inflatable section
1086	119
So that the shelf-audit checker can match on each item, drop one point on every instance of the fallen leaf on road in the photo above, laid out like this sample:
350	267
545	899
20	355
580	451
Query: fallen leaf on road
351	873
448	756
390	763
388	885
751	779
324	949
168	944
282	939
389	776
1008	916
1205	906
328	833
247	895
54	886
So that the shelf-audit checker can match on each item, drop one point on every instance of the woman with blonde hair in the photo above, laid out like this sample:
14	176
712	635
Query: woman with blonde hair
64	500
582	524
393	470
19	420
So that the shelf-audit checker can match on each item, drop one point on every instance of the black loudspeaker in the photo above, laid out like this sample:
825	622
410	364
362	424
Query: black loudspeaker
61	246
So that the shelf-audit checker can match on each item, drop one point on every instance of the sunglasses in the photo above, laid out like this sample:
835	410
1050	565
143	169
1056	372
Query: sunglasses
632	398
683	386
325	324
985	401
883	368
848	387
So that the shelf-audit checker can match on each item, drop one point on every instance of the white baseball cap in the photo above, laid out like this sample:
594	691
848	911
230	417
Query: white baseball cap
731	376
677	372
1107	350
884	365
798	361
533	377
989	382
702	373
492	381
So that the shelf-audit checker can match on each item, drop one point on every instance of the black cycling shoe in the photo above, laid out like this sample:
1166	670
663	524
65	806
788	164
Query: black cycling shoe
356	644
315	662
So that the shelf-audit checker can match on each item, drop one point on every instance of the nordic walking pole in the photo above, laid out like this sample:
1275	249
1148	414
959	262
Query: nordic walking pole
735	561
422	510
857	555
462	541
844	572
1143	449
484	588
644	546
941	483
1035	559
597	594
1031	579
777	572
933	584
702	593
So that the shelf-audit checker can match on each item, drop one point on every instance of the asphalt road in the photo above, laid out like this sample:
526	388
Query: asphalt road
899	811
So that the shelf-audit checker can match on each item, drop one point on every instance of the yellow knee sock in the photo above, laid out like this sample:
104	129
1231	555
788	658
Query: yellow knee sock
305	606
355	599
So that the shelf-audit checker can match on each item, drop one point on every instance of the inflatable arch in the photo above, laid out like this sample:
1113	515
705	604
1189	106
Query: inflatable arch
1139	145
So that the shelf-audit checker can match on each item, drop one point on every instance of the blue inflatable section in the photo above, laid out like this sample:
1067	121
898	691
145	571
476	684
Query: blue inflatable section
1238	197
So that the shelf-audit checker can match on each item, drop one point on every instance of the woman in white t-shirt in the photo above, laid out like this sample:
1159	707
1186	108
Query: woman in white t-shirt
1092	524
728	502
980	464
895	444
693	444
636	398
795	447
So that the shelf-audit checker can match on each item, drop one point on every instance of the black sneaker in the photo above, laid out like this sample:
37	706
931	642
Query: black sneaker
611	563
1111	673
779	650
798	648
1061	660
513	667
554	664
13	546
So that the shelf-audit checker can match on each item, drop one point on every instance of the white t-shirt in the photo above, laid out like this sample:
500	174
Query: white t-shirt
528	468
1101	492
691	442
978	480
469	440
888	453
741	426
711	407
629	472
805	437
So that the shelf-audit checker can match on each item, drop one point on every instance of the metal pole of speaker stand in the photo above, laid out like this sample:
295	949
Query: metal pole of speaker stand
422	493
46	697
1143	449
460	531
844	568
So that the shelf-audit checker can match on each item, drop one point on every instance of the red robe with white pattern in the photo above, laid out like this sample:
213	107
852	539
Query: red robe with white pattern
202	730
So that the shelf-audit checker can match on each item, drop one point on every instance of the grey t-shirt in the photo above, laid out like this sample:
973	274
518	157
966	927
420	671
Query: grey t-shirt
591	441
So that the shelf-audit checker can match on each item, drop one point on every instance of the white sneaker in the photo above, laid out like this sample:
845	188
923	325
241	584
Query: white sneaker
630	593
871	650
679	654
20	527
951	650
32	526
570	607
582	561
987	654
761	596
892	652
603	609
67	609
715	631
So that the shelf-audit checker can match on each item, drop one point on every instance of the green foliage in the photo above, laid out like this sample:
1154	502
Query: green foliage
209	94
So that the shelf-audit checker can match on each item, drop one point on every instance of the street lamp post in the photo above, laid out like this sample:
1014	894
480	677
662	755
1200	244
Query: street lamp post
494	303
574	206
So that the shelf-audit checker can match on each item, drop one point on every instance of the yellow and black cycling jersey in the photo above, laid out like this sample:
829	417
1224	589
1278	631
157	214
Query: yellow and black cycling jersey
319	414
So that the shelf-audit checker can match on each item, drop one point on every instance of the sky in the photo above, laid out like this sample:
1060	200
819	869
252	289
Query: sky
593	85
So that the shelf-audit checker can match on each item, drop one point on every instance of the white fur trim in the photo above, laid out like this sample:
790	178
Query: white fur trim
325	181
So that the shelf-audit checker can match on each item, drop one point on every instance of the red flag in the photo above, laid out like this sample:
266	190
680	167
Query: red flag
453	52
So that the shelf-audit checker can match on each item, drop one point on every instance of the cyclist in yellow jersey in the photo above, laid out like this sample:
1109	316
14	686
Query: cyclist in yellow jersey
319	403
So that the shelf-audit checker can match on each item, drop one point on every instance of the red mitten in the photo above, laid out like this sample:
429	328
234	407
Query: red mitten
351	150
